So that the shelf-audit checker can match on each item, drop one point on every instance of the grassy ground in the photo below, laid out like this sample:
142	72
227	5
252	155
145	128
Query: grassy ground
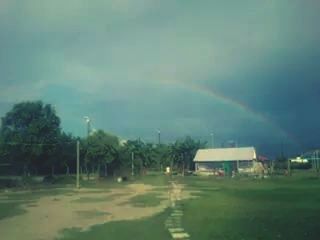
146	200
283	208
144	229
278	208
9	210
11	204
274	208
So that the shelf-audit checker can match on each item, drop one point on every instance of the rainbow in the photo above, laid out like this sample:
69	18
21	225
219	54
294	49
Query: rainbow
236	104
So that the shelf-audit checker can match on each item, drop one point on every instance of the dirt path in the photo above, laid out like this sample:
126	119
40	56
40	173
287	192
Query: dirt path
47	217
174	221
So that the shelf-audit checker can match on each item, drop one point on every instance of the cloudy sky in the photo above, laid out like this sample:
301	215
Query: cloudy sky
245	70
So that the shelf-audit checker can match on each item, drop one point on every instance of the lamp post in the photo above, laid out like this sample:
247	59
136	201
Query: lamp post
159	136
88	121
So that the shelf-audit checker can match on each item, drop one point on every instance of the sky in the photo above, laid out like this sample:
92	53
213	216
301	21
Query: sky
247	71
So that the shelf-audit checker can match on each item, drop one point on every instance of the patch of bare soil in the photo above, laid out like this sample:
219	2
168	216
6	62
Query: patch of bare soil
49	215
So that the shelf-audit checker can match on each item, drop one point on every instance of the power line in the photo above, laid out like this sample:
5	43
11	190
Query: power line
37	144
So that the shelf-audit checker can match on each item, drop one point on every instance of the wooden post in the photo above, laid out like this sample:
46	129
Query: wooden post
78	163
289	167
132	166
314	162
317	162
238	166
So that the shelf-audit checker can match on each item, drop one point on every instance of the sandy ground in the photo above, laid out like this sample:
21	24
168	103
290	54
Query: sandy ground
47	217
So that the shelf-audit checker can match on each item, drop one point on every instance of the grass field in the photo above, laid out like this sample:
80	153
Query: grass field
274	208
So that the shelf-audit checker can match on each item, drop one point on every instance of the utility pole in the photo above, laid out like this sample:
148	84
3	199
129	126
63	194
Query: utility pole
317	162
88	121
289	167
132	166
238	166
159	137
78	164
314	162
272	167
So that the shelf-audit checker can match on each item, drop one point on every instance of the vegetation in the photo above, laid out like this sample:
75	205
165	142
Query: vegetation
29	134
101	149
32	143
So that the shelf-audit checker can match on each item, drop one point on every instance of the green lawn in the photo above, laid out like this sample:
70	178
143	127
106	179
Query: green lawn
274	208
286	208
278	208
146	200
143	229
9	210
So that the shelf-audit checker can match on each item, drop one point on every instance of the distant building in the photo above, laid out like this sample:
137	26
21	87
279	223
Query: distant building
299	160
225	160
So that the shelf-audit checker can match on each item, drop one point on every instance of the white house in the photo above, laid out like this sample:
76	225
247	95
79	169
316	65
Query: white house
225	159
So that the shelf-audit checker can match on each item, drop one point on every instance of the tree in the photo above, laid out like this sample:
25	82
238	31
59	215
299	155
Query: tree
183	151
145	155
133	148
162	152
66	151
30	131
101	150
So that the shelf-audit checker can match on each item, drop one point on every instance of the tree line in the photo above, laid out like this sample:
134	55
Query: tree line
32	142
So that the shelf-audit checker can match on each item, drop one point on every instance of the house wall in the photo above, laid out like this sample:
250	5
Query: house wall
241	166
209	166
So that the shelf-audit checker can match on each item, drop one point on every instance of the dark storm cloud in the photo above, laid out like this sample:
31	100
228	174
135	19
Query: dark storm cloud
131	66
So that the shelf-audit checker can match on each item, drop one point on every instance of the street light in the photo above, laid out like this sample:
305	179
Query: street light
88	121
159	135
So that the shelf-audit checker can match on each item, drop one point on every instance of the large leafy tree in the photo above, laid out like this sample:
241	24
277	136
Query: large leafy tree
66	152
102	149
163	156
135	149
183	151
30	132
145	154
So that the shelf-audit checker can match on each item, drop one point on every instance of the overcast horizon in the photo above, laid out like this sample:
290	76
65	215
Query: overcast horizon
246	71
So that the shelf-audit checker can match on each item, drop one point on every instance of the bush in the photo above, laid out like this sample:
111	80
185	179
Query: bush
65	179
27	181
49	179
301	165
9	183
59	179
281	165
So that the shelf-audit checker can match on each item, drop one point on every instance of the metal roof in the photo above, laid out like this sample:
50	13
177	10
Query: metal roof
225	154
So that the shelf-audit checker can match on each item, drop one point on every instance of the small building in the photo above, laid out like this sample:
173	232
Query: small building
299	160
225	160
